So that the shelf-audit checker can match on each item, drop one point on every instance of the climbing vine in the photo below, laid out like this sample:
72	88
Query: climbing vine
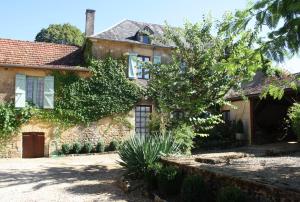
79	100
11	119
107	92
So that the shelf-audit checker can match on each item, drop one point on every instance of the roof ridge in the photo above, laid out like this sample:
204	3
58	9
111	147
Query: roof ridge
37	42
113	26
146	23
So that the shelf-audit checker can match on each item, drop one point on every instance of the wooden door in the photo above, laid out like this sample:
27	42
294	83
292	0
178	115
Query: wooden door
33	145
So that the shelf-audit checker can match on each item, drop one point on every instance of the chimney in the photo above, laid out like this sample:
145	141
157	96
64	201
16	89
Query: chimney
89	22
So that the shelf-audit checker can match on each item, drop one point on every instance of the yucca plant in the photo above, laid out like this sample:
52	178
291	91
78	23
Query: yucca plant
137	153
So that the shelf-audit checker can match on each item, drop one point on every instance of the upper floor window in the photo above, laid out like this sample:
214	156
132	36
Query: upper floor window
136	68
142	73
145	39
143	35
36	90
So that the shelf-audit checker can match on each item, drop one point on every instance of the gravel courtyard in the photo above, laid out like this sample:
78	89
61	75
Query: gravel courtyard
81	178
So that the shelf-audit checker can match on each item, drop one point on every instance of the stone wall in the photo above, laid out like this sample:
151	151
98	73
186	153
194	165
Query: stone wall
256	191
102	48
106	129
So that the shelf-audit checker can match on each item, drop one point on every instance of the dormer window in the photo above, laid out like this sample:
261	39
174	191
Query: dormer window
145	39
143	35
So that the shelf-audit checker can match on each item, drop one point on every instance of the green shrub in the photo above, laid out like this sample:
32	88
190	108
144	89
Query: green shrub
87	147
184	135
66	148
77	147
294	116
100	146
113	145
138	153
193	189
151	175
169	180
231	194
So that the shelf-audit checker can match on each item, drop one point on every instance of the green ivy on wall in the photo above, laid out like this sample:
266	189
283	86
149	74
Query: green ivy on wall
107	92
78	100
11	119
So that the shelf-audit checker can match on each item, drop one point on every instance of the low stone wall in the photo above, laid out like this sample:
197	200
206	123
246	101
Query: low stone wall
106	129
256	191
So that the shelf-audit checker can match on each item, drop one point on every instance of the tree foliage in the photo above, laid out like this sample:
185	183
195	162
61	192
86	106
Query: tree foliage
61	34
294	118
203	67
282	17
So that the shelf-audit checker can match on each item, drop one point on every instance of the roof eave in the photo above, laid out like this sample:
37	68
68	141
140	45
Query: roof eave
128	42
47	67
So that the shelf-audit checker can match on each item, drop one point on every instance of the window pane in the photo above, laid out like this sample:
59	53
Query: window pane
35	90
142	118
29	89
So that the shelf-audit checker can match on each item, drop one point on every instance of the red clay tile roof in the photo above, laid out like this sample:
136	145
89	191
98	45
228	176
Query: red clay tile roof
39	54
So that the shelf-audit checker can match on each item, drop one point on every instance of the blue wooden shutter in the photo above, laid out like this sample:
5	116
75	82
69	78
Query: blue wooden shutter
49	92
132	65
20	90
157	59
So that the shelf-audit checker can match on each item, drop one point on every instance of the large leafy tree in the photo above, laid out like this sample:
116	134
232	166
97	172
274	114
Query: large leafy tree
282	18
61	34
204	66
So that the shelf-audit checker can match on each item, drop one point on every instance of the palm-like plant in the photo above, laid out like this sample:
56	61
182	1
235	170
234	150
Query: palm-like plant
138	153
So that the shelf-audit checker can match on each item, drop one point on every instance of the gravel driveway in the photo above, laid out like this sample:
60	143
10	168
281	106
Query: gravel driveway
81	178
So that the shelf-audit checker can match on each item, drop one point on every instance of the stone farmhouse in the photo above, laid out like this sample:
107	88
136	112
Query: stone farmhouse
25	76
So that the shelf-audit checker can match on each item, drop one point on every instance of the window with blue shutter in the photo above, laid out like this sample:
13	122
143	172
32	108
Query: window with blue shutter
49	92
38	91
35	90
20	90
132	65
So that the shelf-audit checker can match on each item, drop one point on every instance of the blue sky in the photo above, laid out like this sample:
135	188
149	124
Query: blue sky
23	19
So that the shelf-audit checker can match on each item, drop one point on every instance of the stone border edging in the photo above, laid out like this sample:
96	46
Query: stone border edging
87	154
255	189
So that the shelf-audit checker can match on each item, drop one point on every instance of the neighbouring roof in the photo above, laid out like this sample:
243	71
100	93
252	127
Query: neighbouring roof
40	54
259	82
126	31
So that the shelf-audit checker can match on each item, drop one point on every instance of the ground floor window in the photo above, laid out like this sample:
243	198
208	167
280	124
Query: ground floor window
142	118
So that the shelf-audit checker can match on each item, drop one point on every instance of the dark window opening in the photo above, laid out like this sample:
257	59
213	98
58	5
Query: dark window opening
177	114
226	116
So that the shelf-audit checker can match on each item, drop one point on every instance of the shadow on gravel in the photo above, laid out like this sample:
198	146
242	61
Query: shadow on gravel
97	179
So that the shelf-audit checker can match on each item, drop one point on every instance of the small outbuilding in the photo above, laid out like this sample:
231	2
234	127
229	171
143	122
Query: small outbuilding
264	119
